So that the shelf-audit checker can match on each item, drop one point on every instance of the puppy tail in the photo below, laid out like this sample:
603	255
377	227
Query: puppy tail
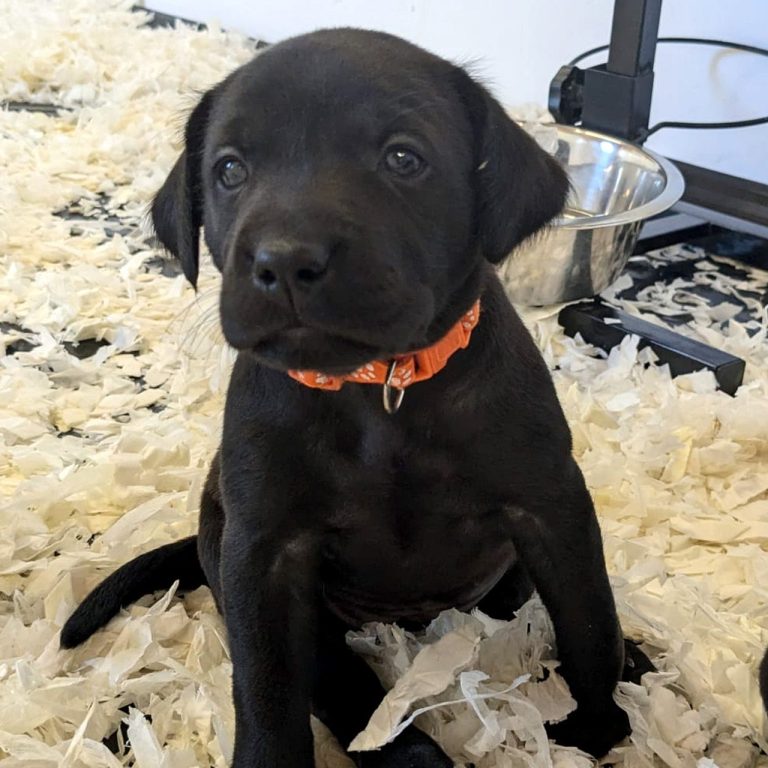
150	572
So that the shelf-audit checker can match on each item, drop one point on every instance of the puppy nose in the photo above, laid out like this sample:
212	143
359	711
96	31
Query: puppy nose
285	268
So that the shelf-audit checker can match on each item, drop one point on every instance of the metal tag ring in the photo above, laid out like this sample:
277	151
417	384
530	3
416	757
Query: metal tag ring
392	397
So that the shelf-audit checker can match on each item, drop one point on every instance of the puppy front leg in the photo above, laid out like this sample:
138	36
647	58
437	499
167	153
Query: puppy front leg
558	540
268	586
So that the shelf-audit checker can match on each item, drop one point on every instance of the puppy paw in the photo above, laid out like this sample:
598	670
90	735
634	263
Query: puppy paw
597	732
636	663
412	749
594	733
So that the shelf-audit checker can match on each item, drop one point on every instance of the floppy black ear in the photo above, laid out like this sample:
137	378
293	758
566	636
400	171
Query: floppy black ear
177	209
519	187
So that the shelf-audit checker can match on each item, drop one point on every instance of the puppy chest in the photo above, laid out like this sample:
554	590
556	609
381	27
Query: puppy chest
406	494
410	542
406	563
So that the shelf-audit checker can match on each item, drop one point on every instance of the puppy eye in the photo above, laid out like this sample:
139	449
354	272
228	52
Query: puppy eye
403	162
231	173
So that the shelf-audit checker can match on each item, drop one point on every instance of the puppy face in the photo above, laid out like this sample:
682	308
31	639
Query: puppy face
350	186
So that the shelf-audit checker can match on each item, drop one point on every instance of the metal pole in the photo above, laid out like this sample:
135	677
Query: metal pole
634	32
617	95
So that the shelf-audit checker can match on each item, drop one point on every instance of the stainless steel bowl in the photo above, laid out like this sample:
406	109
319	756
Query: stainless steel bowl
616	186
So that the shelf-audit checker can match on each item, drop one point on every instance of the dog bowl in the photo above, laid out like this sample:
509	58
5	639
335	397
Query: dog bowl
615	187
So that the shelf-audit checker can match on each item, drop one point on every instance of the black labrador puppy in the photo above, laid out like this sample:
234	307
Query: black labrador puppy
355	192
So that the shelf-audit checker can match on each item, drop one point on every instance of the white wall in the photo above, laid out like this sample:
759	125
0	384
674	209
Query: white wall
518	45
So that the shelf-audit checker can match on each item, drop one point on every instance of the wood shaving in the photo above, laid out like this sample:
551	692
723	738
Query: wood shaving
111	394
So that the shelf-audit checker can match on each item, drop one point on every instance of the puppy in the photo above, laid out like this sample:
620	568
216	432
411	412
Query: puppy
392	444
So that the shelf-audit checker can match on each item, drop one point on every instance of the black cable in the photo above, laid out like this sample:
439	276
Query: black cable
587	54
707	126
693	41
686	40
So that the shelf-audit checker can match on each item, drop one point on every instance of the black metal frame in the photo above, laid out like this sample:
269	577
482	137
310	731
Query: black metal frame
617	95
605	327
720	192
615	98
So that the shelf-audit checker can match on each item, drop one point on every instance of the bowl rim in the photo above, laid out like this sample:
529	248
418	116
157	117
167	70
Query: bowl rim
670	194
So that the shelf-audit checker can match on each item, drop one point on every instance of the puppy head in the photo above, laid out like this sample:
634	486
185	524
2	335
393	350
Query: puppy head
350	186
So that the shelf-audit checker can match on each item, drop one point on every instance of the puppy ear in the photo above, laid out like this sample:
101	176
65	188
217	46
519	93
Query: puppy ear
177	209
519	187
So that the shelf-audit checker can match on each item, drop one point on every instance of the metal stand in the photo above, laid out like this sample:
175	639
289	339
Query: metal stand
617	95
605	327
615	98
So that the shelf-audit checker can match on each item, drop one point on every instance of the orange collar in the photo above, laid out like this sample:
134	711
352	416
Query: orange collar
403	370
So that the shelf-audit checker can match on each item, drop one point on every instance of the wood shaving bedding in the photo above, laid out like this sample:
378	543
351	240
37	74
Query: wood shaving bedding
111	392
